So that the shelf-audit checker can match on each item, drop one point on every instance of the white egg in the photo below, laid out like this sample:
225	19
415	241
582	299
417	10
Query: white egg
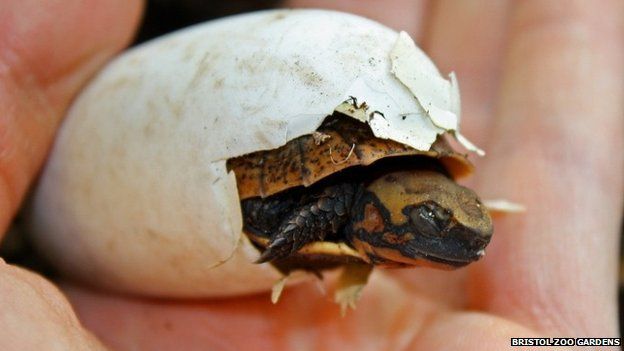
135	196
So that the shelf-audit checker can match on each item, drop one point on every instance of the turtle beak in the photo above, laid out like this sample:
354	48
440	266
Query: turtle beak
455	247
451	249
443	236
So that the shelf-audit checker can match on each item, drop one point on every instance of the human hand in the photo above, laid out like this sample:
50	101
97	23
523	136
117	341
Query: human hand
48	50
546	81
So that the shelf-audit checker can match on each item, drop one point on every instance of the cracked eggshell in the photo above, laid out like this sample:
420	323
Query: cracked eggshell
136	197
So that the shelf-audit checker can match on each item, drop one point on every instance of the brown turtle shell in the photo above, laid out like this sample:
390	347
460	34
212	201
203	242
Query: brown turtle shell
341	142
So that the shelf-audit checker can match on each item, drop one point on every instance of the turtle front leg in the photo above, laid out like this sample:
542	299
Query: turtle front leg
325	214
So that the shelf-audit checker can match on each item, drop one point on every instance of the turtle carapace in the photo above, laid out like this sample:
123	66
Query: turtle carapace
391	204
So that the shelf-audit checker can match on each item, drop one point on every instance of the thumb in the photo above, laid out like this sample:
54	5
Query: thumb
48	49
36	316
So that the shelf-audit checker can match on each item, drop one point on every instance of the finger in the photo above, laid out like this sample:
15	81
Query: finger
47	51
468	37
472	331
303	319
387	318
561	110
406	15
35	313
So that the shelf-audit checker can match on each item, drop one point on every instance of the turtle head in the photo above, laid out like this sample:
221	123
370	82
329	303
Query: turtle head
420	218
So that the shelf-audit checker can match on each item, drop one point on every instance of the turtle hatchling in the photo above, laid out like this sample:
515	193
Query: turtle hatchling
342	195
252	138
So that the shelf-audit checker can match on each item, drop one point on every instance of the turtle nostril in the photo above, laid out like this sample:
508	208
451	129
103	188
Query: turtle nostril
470	238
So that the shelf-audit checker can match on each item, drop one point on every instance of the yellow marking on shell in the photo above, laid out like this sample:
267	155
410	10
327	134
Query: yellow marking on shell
317	247
329	248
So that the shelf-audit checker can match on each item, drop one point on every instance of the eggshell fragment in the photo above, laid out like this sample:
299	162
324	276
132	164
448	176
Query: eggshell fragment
136	197
503	206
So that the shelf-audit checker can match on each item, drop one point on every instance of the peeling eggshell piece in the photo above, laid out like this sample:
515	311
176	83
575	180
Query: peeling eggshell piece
136	197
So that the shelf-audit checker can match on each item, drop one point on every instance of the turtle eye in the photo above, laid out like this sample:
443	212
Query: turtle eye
429	218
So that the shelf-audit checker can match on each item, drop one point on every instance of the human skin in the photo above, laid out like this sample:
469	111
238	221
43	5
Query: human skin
543	94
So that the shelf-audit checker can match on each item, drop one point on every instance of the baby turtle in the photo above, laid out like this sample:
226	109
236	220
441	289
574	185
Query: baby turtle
341	196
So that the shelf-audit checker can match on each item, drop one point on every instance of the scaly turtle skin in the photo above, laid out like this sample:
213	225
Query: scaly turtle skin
343	195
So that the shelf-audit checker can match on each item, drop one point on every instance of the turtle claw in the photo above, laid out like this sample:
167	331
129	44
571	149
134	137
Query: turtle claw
350	285
266	256
276	249
311	222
